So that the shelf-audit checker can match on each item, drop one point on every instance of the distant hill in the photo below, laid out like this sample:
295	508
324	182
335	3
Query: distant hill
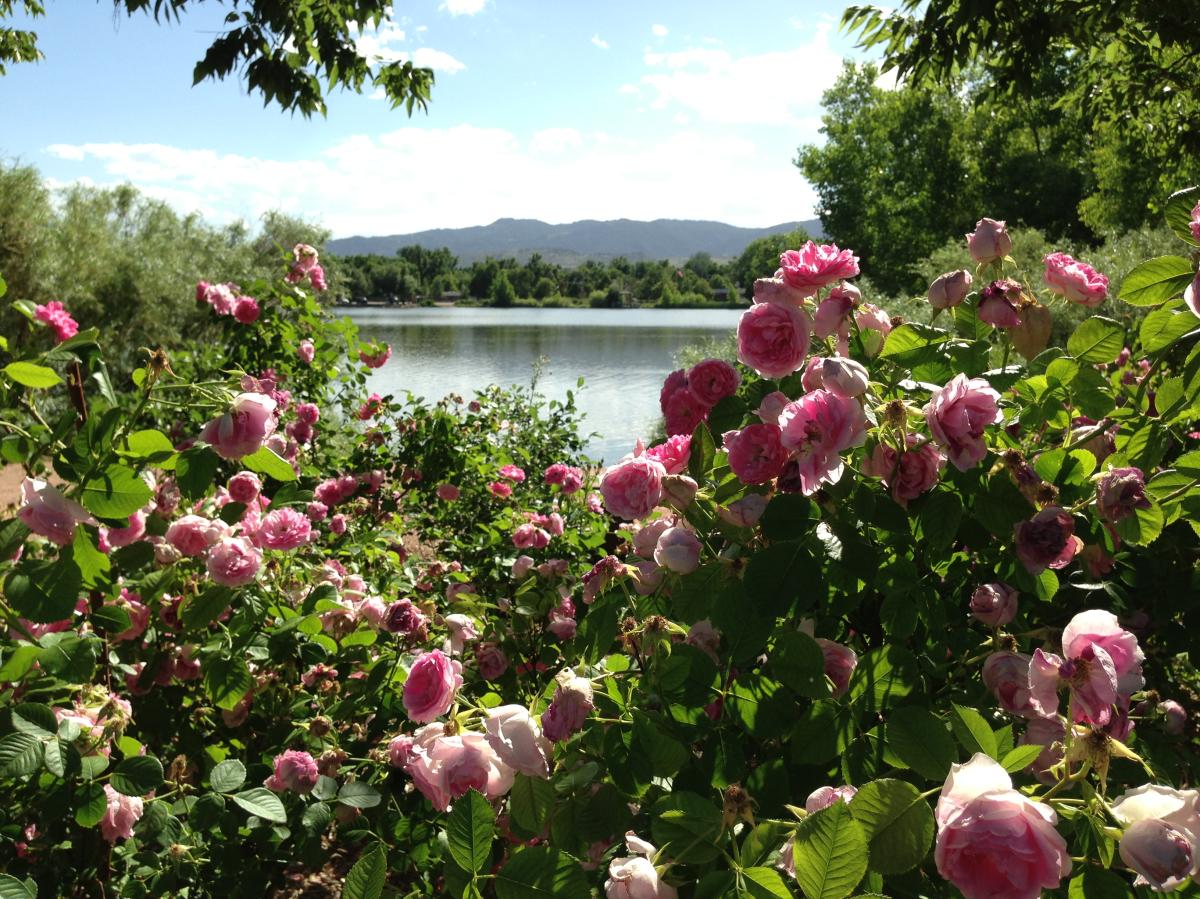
573	243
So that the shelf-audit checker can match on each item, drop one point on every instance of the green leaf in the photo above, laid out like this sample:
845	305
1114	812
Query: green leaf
62	758
29	375
1019	758
973	731
689	824
1142	527
368	876
200	611
940	516
469	829
1156	281
788	516
913	343
93	564
530	802
830	853
763	883
194	471
12	888
263	803
17	665
1178	213
1097	883
137	776
1163	327
44	590
227	680
920	740
20	754
151	445
704	452
228	776
116	494
90	805
267	461
897	823
1097	340
540	872
34	718
798	663
357	794
69	656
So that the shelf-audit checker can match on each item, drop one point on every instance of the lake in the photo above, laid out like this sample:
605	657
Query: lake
622	354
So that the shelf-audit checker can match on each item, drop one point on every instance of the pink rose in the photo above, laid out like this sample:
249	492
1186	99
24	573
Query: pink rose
950	289
817	428
431	687
840	662
632	487
992	841
192	535
957	416
1048	733
569	708
316	511
773	339
1077	282
844	377
776	290
1047	540
285	528
447	492
772	405
635	877
120	815
233	562
295	771
1000	304
1175	715
246	310
453	765
337	524
131	533
679	491
712	380
530	536
674	453
682	412
1006	674
316	276
674	383
834	312
55	315
989	242
823	797
521	567
45	511
308	413
306	351
491	660
1160	840
994	604
678	550
745	512
645	538
908	474
462	629
568	478
813	267
1120	492
405	618
512	473
500	490
516	738
874	325
244	428
756	453
244	487
377	356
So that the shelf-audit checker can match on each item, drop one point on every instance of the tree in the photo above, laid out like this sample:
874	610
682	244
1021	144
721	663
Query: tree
292	53
503	294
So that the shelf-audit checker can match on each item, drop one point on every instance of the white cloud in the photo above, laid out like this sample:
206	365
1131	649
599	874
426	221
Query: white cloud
659	30
629	89
464	7
774	88
599	42
379	43
418	178
437	60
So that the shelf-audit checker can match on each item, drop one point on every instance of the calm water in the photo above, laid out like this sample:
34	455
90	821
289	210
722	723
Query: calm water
623	355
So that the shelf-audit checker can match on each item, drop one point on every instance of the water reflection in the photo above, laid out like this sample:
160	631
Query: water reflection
623	355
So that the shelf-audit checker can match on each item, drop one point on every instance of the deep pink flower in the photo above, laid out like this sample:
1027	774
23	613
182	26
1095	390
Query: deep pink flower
295	771
674	453
995	604
432	684
1000	304
244	428
377	357
773	339
369	409
1077	282
285	528
712	380
957	416
491	660
1006	674
682	412
306	351
530	536
840	662
756	453
990	241
1047	540
244	487
813	267
512	473
818	427
309	413
569	708
500	490
632	487
447	492
1120	492
567	477
246	310
56	316
908	474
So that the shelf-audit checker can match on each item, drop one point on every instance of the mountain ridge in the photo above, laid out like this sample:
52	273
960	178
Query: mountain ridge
596	239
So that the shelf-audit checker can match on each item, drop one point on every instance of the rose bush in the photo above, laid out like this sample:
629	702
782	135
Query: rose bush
249	629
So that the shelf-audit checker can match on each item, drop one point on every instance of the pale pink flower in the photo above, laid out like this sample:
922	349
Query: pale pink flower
909	474
874	325
632	487
244	428
569	708
233	561
1006	674
120	815
823	797
283	529
678	550
817	428
773	339
45	511
995	604
745	512
244	487
306	351
516	738
958	414
990	241
840	662
1076	282
950	289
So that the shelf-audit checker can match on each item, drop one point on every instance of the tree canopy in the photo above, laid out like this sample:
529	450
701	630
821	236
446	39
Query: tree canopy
291	52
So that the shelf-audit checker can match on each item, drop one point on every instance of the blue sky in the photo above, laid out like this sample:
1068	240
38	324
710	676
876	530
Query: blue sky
559	111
